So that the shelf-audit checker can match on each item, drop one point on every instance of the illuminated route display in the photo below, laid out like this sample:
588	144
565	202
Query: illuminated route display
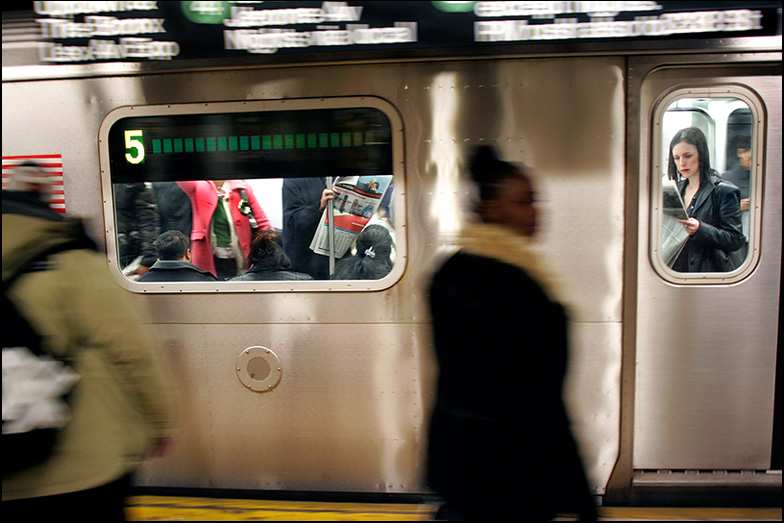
321	142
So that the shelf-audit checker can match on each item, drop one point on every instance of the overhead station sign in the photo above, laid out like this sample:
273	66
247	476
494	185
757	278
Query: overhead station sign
77	32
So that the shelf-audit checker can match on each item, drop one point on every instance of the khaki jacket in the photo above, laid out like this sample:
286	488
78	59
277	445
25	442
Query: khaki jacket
125	397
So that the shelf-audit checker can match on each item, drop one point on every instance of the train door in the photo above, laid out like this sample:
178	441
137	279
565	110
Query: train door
706	342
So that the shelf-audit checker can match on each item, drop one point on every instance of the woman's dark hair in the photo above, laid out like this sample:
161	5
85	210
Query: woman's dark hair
488	171
267	248
372	260
695	137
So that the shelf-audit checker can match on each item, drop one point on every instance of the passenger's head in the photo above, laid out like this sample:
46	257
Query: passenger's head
267	247
30	177
373	258
375	242
743	150
173	245
506	194
689	155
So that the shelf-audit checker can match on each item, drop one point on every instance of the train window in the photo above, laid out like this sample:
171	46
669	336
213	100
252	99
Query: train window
706	186
254	196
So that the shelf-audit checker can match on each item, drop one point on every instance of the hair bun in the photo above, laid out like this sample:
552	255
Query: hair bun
483	163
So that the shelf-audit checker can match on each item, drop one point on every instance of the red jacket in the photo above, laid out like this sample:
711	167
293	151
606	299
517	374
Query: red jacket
204	200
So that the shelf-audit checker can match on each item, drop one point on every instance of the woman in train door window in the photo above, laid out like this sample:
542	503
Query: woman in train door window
712	205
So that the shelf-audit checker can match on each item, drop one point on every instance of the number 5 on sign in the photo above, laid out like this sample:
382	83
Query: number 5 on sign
134	147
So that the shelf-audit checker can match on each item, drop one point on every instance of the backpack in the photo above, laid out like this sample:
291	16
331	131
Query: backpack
35	385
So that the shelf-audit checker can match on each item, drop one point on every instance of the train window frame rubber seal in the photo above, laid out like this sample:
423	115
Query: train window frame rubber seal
759	120
248	106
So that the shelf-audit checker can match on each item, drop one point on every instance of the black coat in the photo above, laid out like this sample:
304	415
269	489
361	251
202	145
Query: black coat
740	178
301	218
174	207
137	223
262	272
176	270
499	436
717	207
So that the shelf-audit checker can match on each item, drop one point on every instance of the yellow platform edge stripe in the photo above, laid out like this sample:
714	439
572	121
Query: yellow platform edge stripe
163	508
173	508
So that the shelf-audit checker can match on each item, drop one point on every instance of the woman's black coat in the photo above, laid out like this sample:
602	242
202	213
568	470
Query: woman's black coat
262	271
717	207
500	441
301	219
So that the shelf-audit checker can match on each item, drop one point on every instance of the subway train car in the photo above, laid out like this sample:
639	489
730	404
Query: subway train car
326	385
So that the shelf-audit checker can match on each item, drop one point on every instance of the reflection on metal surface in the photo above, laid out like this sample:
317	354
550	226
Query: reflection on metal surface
444	153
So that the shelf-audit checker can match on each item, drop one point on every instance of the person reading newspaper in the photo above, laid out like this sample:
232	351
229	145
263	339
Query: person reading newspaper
712	205
356	200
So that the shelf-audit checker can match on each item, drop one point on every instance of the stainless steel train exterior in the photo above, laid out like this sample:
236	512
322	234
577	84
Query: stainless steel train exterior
665	373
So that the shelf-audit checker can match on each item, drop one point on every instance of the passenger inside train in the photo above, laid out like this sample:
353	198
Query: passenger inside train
137	227
372	259
291	243
712	204
174	261
740	176
304	201
267	261
725	126
226	214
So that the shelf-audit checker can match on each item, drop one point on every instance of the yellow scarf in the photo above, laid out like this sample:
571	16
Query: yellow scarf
503	244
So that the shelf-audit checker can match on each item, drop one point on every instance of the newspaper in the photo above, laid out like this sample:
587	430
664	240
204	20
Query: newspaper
673	201
356	201
674	235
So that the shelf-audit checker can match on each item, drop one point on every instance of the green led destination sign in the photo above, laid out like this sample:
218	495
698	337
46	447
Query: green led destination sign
321	142
136	153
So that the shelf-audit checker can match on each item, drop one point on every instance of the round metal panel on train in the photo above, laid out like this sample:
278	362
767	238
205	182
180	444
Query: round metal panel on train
259	369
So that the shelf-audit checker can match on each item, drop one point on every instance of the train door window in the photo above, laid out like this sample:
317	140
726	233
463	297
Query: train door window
706	184
255	196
